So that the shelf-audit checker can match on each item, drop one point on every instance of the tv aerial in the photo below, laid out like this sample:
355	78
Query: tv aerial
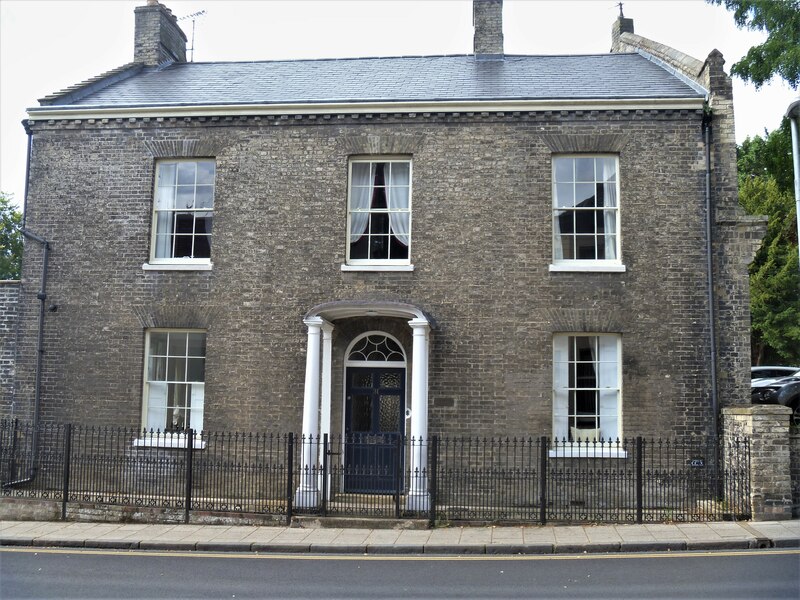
193	17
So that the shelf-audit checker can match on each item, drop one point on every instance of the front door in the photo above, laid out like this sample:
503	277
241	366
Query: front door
374	409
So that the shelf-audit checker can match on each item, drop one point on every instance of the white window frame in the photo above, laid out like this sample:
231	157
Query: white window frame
559	264
371	264
168	439
156	263
560	397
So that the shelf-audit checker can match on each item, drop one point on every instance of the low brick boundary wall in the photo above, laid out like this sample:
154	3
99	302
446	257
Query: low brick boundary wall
794	455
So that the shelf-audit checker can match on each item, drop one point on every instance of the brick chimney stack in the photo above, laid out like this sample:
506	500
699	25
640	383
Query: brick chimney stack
487	18
620	26
158	37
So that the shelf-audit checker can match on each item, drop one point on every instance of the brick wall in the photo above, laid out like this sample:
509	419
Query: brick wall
794	451
481	246
767	428
9	295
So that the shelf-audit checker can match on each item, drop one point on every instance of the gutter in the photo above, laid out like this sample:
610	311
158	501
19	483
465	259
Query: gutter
41	296
710	276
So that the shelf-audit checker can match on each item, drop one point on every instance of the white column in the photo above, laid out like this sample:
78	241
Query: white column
418	498
307	494
325	410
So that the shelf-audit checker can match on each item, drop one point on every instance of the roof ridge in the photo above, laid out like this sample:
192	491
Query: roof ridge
368	58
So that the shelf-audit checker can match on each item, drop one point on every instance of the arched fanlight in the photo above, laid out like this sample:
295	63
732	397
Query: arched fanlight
376	348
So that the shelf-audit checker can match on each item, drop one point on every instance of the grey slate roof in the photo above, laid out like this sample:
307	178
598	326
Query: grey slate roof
420	78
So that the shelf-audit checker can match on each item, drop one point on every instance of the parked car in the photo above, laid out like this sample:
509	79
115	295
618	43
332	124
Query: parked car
781	390
771	372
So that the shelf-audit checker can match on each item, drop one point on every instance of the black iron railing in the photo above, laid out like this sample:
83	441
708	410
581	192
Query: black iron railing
524	480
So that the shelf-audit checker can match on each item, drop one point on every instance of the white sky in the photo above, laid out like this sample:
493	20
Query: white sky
46	46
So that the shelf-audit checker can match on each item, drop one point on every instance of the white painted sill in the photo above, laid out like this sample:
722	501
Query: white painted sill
575	451
176	440
576	267
178	266
378	268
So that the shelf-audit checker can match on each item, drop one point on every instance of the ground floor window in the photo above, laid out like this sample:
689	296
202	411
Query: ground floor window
586	387
174	389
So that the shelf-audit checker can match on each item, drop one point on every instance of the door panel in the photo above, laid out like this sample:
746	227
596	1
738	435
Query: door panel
374	406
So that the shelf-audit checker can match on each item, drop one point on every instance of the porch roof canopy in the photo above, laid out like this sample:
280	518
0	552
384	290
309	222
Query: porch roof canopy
343	309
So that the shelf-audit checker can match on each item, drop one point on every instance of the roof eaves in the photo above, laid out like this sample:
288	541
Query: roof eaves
91	86
254	109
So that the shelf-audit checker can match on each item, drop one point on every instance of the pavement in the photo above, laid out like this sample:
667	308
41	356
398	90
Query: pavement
549	539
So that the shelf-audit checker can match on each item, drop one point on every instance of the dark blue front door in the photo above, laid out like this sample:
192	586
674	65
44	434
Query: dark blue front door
373	428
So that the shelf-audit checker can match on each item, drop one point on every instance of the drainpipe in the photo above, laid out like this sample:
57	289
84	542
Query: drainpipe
42	297
710	276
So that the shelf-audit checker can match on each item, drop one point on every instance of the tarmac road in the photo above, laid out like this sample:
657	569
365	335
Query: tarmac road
85	574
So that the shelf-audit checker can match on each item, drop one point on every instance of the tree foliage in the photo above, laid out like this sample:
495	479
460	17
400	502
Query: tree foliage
10	238
766	188
780	53
768	156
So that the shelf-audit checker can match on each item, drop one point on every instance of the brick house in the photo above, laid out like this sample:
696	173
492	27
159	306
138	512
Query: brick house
482	244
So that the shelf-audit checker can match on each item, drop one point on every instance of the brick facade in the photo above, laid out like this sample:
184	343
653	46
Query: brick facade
481	250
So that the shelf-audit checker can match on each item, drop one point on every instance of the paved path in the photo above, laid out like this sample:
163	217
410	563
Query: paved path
449	540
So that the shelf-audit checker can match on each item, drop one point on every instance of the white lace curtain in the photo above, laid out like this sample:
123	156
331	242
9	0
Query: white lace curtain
609	175
397	182
362	182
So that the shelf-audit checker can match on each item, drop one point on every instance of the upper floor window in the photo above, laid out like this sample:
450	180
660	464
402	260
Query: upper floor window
379	212
183	211
586	212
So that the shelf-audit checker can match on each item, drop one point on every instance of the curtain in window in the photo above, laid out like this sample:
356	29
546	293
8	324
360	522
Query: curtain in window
362	182
165	204
563	196
157	406
197	399
557	242
608	387
609	174
560	386
397	183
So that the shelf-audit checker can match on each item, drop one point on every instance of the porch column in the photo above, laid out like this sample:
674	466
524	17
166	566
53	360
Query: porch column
325	410
418	498
307	494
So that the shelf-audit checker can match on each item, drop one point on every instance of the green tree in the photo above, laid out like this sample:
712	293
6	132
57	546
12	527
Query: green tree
10	238
780	53
765	188
770	155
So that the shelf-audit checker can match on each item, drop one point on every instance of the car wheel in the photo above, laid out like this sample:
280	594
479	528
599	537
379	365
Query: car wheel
795	406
